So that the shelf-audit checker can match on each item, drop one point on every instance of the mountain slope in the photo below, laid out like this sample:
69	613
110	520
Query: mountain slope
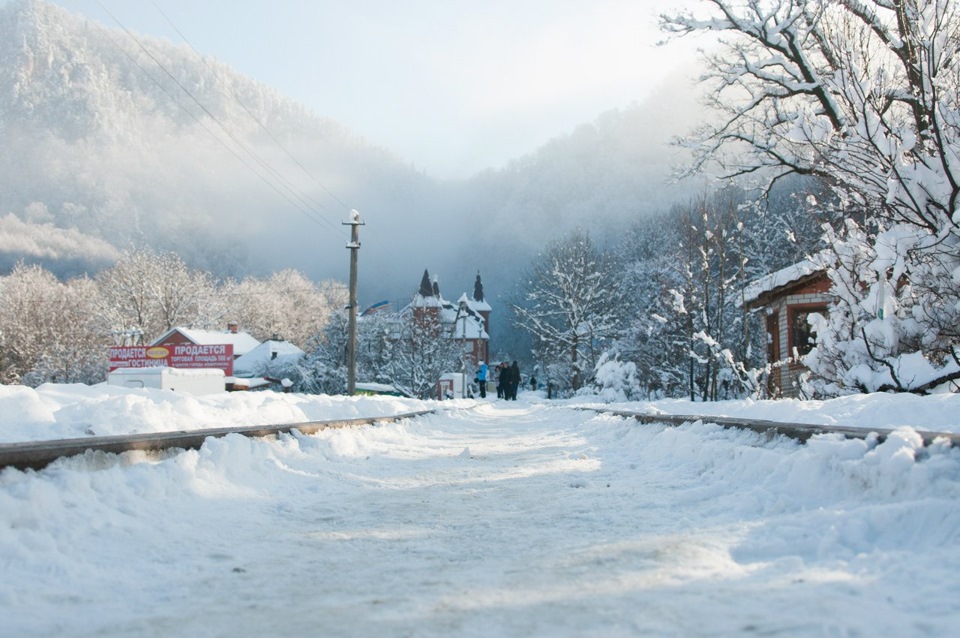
99	137
101	148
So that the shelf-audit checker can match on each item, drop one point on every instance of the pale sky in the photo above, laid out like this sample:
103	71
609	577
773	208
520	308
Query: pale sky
453	86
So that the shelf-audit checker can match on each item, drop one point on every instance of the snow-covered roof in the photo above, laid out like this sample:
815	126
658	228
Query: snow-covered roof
480	306
380	388
420	301
256	361
469	327
781	278
242	342
462	319
465	321
473	304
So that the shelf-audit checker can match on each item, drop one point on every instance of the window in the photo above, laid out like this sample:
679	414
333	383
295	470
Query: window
802	336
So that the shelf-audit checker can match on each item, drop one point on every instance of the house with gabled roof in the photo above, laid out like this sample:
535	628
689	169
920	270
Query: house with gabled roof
191	344
787	298
242	342
467	320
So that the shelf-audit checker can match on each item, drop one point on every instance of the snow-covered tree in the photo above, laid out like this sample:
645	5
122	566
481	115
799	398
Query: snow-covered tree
616	380
685	271
149	292
866	95
423	348
285	305
653	333
49	330
786	224
77	353
572	306
324	368
409	349
697	308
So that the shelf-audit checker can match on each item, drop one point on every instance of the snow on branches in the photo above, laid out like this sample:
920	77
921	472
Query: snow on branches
571	306
864	94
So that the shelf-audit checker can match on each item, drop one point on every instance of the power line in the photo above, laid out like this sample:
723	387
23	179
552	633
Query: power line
232	151
248	111
306	209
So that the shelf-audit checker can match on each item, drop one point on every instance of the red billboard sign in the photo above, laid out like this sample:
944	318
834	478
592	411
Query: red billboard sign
179	355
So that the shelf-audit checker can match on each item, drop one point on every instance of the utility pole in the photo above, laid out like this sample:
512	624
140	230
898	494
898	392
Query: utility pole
353	247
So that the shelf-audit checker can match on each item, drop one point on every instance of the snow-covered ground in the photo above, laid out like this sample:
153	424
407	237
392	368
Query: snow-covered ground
523	518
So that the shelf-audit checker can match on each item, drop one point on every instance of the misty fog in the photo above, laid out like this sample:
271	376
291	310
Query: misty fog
103	151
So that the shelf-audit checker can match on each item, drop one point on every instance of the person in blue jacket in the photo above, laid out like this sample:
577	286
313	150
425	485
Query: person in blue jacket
482	380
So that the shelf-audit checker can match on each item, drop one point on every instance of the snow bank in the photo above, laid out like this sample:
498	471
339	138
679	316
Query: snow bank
55	411
932	413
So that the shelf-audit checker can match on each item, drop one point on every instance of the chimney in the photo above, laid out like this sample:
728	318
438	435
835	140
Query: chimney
233	327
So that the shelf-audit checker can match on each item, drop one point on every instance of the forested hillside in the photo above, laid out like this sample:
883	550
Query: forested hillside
136	140
112	139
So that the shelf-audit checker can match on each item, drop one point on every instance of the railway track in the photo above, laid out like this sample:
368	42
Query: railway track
37	455
799	431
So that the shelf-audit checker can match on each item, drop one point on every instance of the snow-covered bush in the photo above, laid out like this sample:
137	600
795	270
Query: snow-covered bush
616	380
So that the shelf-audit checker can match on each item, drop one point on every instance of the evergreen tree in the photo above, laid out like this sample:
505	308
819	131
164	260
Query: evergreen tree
426	288
478	289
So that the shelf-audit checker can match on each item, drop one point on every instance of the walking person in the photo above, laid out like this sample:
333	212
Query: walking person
514	381
501	370
505	380
482	380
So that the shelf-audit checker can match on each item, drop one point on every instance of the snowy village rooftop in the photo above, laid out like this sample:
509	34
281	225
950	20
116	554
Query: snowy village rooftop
241	341
256	361
783	277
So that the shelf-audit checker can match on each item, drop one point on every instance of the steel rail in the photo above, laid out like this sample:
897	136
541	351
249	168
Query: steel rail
799	431
39	454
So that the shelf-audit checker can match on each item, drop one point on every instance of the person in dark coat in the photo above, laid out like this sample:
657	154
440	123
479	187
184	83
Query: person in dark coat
501	378
514	381
505	379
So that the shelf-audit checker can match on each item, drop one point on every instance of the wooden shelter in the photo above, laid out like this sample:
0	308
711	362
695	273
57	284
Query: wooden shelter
788	297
